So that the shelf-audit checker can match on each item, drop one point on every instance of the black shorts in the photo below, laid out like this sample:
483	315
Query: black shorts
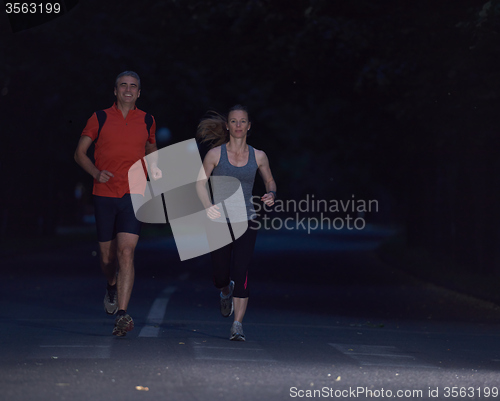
114	215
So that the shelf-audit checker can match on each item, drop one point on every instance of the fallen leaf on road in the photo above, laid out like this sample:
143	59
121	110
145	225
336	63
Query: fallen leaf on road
140	388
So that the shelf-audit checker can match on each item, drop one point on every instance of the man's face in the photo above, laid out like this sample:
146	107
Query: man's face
127	90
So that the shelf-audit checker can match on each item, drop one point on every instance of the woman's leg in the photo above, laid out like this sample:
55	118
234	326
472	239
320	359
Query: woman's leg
240	307
243	249
221	267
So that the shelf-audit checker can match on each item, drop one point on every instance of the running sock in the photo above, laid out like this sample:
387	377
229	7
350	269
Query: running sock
121	312
111	287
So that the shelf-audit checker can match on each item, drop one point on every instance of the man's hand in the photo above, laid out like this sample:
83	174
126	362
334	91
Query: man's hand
103	176
155	173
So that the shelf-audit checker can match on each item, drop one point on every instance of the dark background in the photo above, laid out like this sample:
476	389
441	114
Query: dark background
389	100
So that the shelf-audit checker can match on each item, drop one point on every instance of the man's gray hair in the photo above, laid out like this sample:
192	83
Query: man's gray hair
128	74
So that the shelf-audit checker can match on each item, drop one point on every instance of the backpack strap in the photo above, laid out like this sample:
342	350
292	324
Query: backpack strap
148	119
101	118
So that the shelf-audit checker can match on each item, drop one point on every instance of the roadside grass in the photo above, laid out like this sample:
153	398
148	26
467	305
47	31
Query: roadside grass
439	270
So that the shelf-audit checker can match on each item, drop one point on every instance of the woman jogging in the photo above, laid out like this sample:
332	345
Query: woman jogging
230	155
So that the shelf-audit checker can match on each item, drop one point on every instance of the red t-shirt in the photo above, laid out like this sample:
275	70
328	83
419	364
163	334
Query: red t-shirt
121	143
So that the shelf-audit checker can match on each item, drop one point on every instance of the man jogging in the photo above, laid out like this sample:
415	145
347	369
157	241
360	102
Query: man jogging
123	134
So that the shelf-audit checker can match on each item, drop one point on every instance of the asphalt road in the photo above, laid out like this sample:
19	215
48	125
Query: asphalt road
326	320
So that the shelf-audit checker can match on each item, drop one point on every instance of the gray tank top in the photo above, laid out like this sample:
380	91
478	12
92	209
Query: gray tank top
245	174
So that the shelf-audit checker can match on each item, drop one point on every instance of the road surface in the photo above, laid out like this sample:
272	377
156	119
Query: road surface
326	320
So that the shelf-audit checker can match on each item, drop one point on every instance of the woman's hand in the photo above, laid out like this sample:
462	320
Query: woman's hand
213	212
268	199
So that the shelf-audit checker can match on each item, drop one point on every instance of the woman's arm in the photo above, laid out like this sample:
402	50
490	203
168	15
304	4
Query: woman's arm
267	177
209	162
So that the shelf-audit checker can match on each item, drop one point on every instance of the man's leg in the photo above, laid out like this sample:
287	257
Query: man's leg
109	266
108	259
105	215
127	229
125	248
125	244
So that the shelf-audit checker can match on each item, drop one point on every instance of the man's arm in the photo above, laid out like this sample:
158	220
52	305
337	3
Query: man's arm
151	148
84	161
154	171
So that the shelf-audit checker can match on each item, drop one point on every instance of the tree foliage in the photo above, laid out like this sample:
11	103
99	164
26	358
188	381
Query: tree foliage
382	99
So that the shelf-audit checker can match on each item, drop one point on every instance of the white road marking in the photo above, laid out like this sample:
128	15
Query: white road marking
230	353
380	355
72	351
157	313
149	331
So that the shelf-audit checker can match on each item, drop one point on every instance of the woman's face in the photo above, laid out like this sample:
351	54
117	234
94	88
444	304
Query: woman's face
238	124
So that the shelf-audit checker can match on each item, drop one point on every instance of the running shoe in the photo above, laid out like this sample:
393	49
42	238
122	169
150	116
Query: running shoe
236	333
226	301
110	302
123	323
